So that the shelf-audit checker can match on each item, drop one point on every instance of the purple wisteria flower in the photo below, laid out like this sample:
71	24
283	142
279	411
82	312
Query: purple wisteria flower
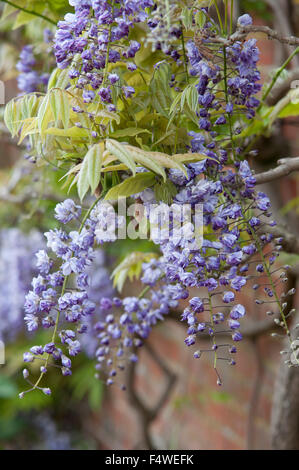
245	20
95	35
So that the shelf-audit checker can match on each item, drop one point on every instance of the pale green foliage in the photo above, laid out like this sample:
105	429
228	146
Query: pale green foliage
130	267
55	129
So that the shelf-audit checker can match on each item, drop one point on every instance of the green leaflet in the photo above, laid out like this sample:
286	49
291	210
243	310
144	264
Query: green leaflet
187	17
286	107
95	158
103	114
90	171
132	185
58	79
120	151
129	132
74	132
161	97
44	114
64	108
10	117
28	106
145	159
55	104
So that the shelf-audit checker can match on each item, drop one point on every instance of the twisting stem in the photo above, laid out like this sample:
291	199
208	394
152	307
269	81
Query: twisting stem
30	12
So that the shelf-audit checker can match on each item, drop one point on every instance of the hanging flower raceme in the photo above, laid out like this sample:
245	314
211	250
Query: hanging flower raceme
95	36
59	297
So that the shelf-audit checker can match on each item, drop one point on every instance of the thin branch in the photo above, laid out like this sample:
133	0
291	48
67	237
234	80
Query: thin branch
285	167
271	33
243	31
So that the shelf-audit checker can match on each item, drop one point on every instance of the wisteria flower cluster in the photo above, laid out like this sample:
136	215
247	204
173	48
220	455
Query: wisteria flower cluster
233	255
95	36
200	283
60	293
236	217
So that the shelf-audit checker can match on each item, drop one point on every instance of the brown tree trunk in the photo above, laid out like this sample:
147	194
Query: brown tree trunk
285	410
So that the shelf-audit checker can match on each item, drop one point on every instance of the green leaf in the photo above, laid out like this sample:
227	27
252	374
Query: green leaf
90	171
55	104
129	132
65	108
192	98
103	114
160	102
28	106
58	79
84	386
132	185
160	92
7	11
44	114
120	151
74	132
22	19
146	160
167	161
286	107
94	159
187	17
200	19
60	105
10	116
83	180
